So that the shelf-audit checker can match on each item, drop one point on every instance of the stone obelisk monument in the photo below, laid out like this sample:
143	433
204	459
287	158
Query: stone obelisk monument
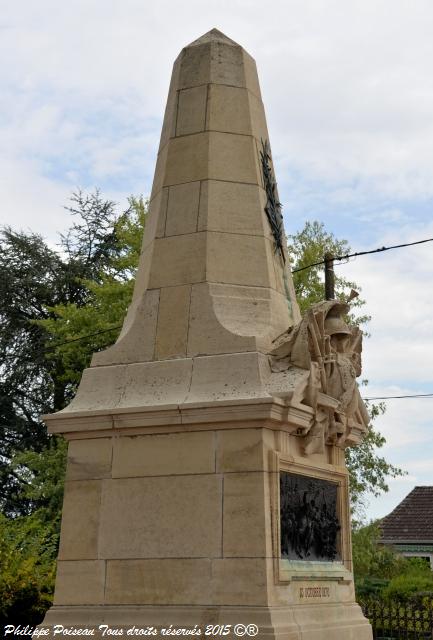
206	482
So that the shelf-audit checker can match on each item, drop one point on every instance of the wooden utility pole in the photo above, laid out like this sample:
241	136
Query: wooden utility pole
329	276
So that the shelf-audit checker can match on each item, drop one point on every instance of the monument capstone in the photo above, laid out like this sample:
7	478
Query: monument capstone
206	482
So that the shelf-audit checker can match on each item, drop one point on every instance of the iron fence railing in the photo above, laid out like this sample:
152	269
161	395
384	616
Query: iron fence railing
412	620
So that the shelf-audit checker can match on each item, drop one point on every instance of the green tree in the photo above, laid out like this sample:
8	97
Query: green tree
383	574
28	549
81	329
48	299
35	377
368	471
308	247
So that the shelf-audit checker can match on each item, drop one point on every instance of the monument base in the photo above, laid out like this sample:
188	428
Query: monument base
306	622
214	497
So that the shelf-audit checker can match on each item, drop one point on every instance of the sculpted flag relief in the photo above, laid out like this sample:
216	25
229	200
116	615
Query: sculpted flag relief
329	352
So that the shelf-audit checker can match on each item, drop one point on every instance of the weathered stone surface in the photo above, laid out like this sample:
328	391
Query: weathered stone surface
143	319
161	517
191	113
80	520
80	582
240	581
156	218
225	377
173	322
228	110
172	454
244	450
178	260
233	158
244	518
168	582
89	459
232	207
182	212
239	259
187	160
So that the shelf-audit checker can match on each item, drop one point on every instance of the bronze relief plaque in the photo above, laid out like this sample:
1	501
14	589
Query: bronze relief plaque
309	518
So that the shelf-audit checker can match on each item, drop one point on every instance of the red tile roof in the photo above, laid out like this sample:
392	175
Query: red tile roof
412	519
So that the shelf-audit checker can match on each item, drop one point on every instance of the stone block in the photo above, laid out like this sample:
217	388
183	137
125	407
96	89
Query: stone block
187	159
243	450
169	123
80	582
259	128
172	330
239	259
250	311
89	459
160	170
155	383
80	520
232	158
182	212
228	376
159	582
274	263
141	280
228	110
244	515
162	517
194	66
168	454
178	260
233	207
136	342
227	64
239	581
227	318
281	278
100	387
231	581
207	333
155	219
191	110
251	77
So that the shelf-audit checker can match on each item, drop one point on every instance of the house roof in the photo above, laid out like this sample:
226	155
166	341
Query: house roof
412	520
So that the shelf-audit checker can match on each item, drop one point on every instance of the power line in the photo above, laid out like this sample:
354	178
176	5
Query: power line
309	266
364	253
416	395
89	335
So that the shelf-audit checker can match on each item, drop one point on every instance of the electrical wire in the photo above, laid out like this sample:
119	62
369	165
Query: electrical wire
416	395
309	266
89	335
363	253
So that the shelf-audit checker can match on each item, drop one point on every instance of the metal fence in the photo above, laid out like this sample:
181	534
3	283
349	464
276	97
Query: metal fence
411	620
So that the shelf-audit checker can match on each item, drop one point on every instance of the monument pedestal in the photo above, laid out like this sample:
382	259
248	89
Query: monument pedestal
179	524
206	483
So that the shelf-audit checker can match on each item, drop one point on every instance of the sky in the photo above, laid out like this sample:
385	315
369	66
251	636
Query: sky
348	93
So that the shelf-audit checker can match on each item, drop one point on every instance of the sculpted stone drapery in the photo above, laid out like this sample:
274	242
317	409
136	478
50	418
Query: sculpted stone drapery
323	345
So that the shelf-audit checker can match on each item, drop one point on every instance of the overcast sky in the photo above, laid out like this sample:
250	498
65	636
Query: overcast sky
348	93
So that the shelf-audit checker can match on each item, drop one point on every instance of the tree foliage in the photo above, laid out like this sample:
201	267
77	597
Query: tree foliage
107	296
383	574
50	298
